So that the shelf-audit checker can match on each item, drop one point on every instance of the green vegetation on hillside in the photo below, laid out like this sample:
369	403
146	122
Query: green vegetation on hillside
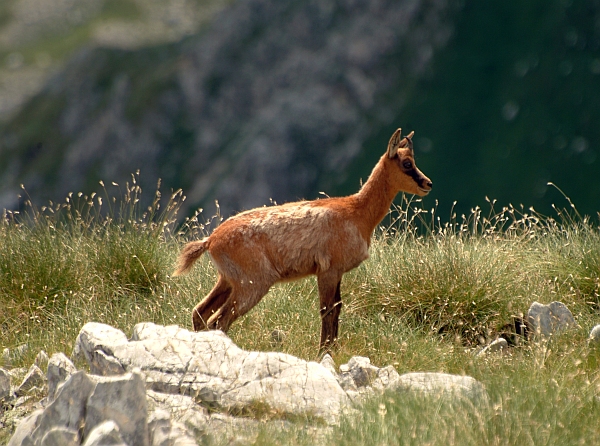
5	13
426	300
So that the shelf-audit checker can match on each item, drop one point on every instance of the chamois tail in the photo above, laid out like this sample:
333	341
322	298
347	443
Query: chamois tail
189	254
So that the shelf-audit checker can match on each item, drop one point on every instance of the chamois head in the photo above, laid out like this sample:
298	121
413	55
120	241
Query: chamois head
408	177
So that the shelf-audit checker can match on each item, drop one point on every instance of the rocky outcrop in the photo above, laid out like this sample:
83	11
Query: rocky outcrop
170	386
209	367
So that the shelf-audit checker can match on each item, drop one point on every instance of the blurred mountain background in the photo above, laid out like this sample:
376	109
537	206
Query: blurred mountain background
244	101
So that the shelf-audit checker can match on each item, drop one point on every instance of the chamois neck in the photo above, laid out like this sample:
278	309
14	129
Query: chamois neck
375	197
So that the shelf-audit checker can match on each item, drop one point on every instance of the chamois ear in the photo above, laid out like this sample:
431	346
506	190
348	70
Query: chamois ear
407	141
394	144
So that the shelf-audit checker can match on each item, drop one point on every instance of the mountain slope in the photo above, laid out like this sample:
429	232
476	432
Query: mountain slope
273	100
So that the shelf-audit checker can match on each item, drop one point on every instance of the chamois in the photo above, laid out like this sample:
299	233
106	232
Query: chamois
327	237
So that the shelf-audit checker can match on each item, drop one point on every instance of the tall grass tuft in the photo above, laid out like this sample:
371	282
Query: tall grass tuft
96	257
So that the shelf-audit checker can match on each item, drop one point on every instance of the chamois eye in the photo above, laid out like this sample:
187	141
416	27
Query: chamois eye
407	165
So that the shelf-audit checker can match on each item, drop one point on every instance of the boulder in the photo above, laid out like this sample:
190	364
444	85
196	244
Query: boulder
60	368
497	345
594	339
5	392
328	362
85	402
34	378
164	432
23	433
443	384
199	422
210	367
360	379
159	428
387	378
550	319
96	344
121	399
361	370
68	408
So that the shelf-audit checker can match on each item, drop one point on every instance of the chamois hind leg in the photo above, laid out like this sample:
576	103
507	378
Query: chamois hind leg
210	304
241	300
330	308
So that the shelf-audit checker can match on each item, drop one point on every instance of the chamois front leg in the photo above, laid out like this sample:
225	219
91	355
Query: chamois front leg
330	308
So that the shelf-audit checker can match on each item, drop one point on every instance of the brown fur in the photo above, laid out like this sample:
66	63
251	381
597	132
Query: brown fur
328	237
189	254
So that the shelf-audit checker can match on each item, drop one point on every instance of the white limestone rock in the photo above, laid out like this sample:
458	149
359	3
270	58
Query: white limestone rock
210	367
497	345
362	371
24	431
171	376
34	378
5	392
163	431
547	320
594	339
106	433
329	364
96	345
387	378
121	399
60	436
443	384
60	368
68	408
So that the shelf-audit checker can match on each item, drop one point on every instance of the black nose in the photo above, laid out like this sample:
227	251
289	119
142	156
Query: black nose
430	184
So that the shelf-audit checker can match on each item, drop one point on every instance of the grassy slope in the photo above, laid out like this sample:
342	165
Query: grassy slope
426	299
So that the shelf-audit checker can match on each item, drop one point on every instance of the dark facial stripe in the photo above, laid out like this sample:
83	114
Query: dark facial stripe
415	175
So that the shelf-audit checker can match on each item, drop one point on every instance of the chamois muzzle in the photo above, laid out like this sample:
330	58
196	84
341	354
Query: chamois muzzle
424	186
422	183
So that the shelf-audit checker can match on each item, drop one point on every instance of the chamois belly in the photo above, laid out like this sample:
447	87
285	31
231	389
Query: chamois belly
298	257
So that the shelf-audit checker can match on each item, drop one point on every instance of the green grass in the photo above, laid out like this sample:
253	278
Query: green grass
89	258
429	297
5	13
120	9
